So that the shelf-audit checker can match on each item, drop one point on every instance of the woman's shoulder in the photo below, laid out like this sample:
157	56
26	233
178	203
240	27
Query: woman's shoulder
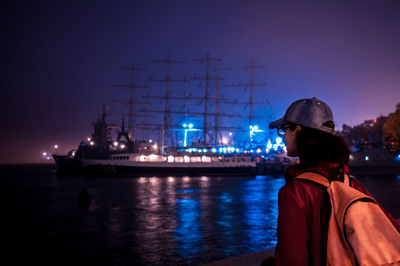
300	188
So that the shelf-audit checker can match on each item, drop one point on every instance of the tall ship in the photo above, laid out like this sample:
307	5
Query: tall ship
186	148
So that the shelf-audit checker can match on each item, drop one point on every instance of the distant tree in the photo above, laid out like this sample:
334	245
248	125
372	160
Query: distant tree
391	128
368	131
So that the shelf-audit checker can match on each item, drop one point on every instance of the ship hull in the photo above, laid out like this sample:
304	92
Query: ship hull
67	165
164	169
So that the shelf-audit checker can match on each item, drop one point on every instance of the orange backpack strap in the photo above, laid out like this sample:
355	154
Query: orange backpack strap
314	177
320	179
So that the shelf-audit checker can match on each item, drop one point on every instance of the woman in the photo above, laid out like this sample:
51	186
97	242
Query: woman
304	206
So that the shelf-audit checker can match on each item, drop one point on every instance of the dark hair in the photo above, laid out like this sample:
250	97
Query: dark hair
316	146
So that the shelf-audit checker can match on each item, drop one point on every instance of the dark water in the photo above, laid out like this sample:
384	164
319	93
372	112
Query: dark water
144	221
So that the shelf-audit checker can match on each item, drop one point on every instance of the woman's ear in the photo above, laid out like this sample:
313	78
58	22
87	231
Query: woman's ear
297	128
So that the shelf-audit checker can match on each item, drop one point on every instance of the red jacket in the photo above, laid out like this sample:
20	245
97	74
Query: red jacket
304	211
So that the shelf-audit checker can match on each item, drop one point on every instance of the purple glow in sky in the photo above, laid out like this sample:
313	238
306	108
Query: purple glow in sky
60	58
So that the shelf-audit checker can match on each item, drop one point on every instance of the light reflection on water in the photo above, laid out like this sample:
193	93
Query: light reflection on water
151	220
261	213
188	232
207	218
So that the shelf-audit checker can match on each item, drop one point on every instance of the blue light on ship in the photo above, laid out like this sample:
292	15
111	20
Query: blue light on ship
254	130
269	144
186	129
214	150
397	158
366	158
185	138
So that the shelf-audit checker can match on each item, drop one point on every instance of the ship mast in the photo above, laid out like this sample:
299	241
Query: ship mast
164	131
251	85
132	86
216	128
207	78
218	100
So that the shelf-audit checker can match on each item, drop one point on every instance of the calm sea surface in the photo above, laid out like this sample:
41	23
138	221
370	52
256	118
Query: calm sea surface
144	221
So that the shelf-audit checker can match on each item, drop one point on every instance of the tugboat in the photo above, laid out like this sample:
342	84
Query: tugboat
97	147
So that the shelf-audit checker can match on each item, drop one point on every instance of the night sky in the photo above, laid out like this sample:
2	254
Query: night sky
60	59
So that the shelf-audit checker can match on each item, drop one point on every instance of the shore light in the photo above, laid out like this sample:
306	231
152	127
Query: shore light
122	146
224	141
92	143
278	140
55	146
115	143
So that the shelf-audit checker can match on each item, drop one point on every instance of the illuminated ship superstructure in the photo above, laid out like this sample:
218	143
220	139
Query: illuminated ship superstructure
212	154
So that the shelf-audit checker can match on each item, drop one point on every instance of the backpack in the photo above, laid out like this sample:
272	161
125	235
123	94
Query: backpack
359	232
